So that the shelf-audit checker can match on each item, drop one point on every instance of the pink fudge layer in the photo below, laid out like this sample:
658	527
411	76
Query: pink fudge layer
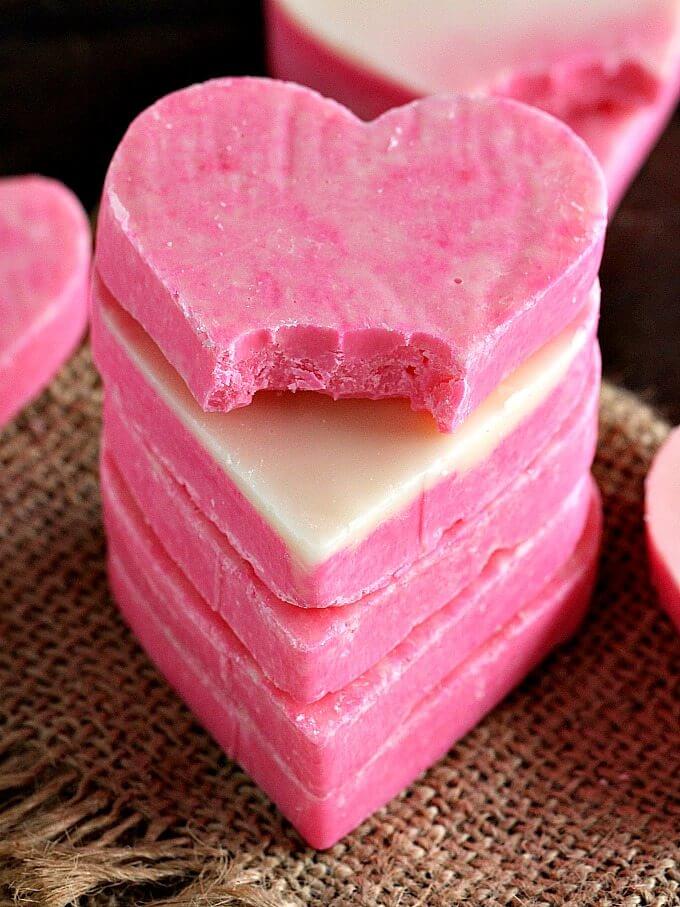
421	737
44	274
662	517
310	652
621	140
394	544
614	82
325	742
267	238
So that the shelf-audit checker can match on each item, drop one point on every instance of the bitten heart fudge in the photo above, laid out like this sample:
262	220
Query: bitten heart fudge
348	506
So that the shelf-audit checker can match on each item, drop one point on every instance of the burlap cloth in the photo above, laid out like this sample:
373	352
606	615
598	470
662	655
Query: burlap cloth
569	793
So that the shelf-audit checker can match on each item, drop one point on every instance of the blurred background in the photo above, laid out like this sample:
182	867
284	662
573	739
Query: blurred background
73	74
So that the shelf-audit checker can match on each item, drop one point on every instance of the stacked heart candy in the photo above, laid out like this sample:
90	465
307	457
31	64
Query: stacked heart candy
342	581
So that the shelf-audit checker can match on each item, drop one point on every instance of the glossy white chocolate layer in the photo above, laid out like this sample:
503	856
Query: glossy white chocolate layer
470	45
326	473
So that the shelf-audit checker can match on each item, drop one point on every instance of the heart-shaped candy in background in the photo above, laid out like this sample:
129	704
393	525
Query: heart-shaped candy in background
662	517
45	249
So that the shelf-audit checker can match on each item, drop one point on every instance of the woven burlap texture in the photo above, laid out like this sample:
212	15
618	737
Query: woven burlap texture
569	793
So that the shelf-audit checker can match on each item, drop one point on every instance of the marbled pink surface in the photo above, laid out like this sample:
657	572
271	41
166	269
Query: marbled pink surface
662	519
266	238
45	249
622	139
327	795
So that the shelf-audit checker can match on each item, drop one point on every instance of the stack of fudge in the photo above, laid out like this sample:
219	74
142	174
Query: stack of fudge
351	388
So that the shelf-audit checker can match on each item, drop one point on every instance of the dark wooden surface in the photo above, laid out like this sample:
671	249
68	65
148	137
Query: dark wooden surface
640	326
73	73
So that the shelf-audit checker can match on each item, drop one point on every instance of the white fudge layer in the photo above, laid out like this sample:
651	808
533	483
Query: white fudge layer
325	473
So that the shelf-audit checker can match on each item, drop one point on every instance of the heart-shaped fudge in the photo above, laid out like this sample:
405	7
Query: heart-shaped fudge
609	68
267	238
45	251
662	516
